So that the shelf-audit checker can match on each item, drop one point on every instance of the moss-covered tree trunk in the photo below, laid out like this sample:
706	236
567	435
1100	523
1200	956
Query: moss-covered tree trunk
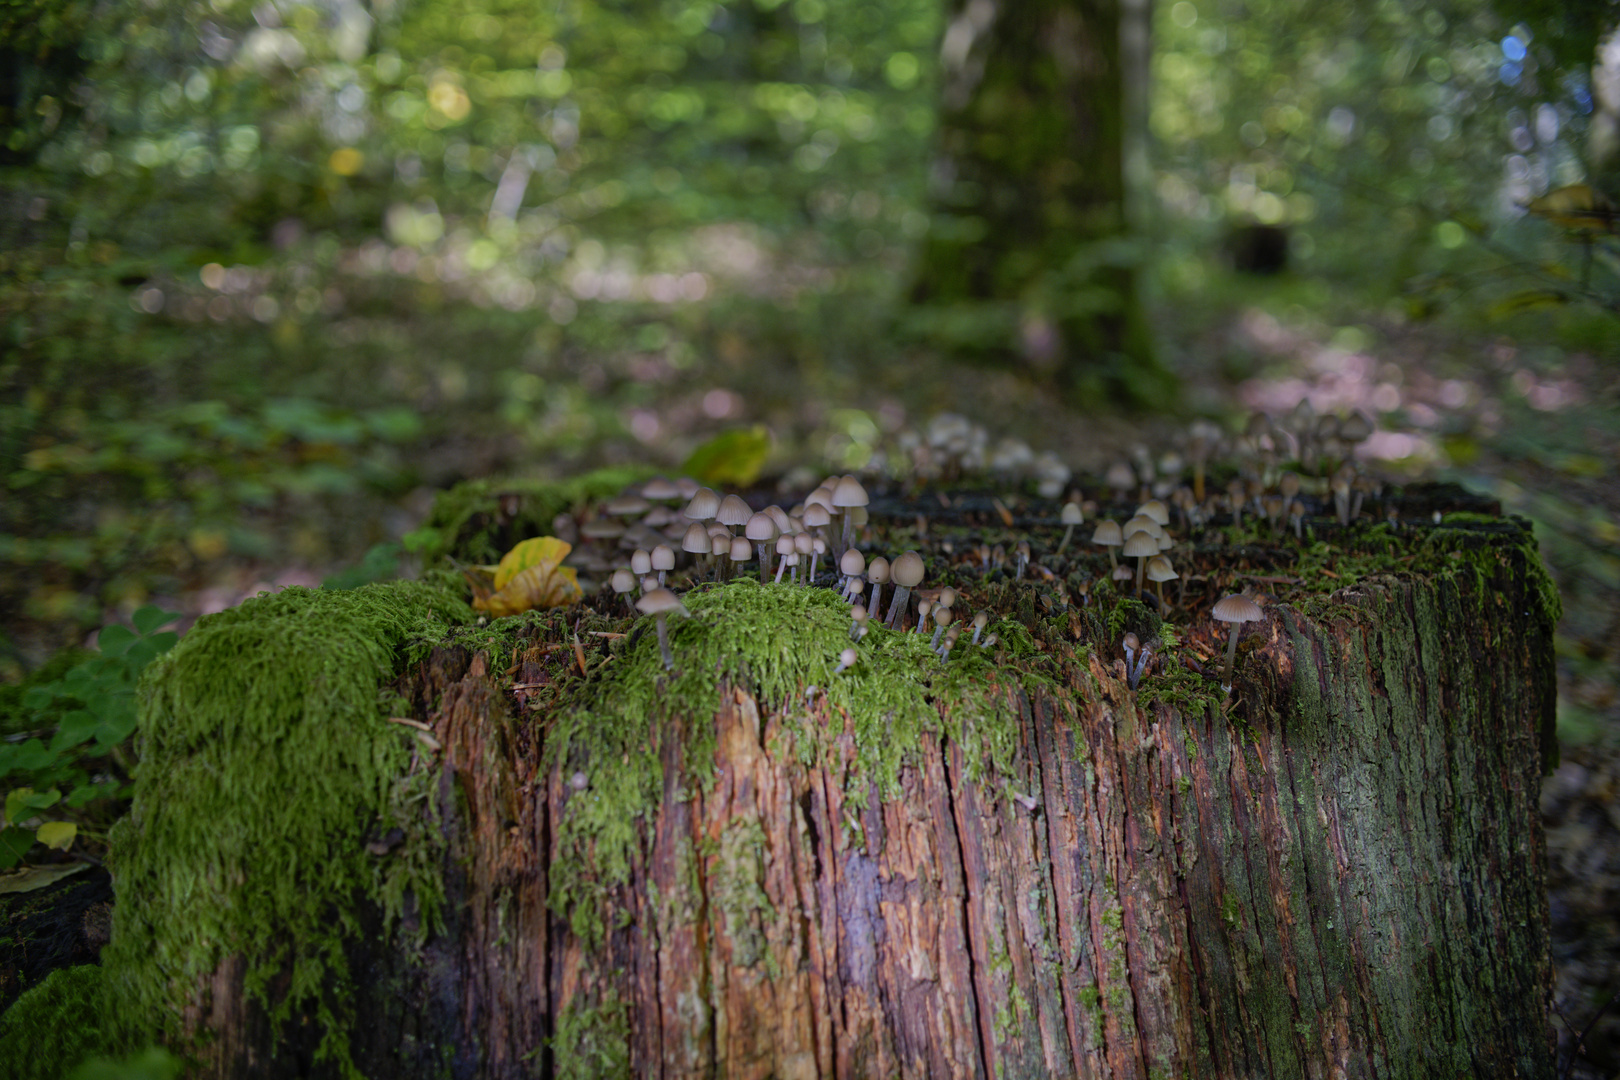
1006	864
1030	261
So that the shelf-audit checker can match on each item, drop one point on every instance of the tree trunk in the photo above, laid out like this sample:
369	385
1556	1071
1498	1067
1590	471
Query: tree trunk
1030	260
1338	871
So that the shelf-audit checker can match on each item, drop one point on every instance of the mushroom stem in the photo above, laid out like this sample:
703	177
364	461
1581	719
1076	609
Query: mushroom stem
1065	541
663	643
1141	567
1231	654
781	565
1113	563
901	595
875	602
766	549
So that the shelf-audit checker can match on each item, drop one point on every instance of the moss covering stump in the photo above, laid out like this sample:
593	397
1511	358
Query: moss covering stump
569	862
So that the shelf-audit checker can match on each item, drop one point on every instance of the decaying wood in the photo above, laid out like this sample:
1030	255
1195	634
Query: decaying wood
1340	877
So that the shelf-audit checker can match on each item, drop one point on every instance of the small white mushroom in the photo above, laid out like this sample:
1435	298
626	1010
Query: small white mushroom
1236	610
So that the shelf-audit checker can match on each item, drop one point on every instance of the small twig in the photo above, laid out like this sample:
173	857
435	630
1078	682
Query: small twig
605	633
527	685
417	724
1006	515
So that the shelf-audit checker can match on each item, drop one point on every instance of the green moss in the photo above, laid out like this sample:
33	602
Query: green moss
54	1026
739	893
478	521
592	1041
777	641
266	757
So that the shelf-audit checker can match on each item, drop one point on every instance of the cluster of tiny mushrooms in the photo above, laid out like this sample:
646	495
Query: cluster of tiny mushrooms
665	523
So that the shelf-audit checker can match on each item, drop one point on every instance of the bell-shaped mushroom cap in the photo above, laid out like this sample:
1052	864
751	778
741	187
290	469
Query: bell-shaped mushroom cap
1357	427
623	580
816	515
660	488
1142	523
1166	541
857	515
849	492
663	557
1139	544
649	583
784	544
704	505
1131	642
783	522
857	613
947	596
741	549
601	529
907	570
943	615
1156	510
696	539
1288	484
1123	572
625	505
822	496
762	526
803	543
1108	534
1159	569
981	620
1072	514
659	602
877	571
852	563
719	538
1120	476
733	511
641	562
1237	608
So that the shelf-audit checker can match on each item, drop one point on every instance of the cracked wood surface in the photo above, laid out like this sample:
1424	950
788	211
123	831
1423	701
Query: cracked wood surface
1344	877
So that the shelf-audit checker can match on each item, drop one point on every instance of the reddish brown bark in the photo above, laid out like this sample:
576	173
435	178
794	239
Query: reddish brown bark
1341	877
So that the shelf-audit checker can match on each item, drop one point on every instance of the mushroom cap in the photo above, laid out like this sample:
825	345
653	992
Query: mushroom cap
703	506
847	658
1159	569
816	515
1357	427
602	529
1288	484
1120	476
821	497
719	537
907	570
1123	572
1140	544
981	620
857	515
687	486
660	488
1142	523
1237	608
877	571
1023	549
1156	510
696	539
780	516
741	549
1166	542
852	563
623	580
943	615
663	557
733	511
641	562
626	505
859	614
1131	642
784	544
762	526
1108	534
1071	514
659	602
849	492
947	596
803	543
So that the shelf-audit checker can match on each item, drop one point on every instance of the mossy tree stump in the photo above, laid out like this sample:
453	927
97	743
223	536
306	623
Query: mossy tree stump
1006	864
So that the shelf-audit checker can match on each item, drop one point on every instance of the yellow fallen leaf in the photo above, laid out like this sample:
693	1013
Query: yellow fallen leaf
531	575
57	834
733	459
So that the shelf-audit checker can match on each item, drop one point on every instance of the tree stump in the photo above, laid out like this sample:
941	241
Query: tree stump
1006	863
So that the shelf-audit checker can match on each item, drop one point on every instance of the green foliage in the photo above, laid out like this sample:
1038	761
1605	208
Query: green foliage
266	757
593	1041
88	715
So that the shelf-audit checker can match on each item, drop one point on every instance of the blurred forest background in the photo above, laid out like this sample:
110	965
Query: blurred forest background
273	273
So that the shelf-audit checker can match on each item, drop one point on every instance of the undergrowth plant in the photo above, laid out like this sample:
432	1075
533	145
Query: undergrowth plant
69	764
